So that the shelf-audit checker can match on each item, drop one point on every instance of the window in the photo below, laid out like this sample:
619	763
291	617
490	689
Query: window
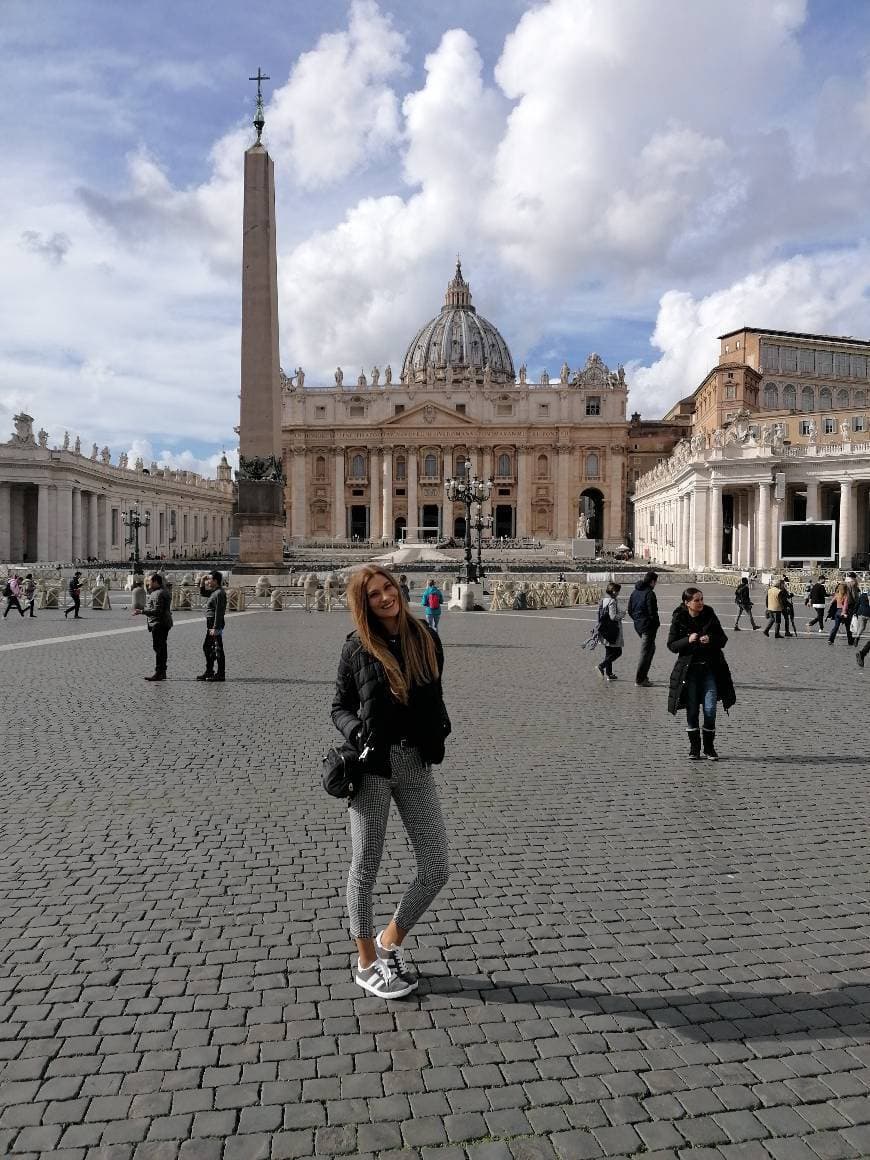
504	466
830	426
401	470
771	397
543	410
842	399
860	399
398	408
400	491
826	401
808	399
789	398
320	467
730	375
459	464
592	468
357	412
729	415
858	423
320	412
543	467
358	467
460	408
730	390
116	526
504	409
804	426
593	405
430	466
161	528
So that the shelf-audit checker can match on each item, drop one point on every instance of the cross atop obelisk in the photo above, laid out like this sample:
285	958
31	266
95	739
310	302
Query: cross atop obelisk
260	117
260	474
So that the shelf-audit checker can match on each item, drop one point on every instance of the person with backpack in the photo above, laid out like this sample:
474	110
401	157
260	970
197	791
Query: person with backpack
862	614
12	592
743	600
75	595
609	628
643	609
389	705
816	599
700	677
432	600
788	608
30	593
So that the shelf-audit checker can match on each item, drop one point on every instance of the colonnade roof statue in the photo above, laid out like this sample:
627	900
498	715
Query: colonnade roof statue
460	339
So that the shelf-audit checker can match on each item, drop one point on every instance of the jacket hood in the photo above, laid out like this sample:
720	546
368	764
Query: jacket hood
640	586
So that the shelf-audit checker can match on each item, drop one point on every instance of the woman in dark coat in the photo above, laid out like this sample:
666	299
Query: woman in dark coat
389	704
701	676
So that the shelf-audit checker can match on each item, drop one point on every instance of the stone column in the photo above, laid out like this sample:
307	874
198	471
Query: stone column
76	522
64	523
93	526
698	534
846	544
104	528
387	528
413	509
616	479
566	517
339	522
687	529
763	533
523	494
376	501
715	556
298	505
6	521
812	499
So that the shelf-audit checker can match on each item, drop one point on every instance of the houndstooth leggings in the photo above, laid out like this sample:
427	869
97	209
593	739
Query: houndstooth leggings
413	789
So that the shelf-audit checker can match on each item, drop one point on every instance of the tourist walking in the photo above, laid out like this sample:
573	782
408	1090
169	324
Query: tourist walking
388	704
158	612
862	614
775	603
75	594
432	600
788	608
841	606
743	600
29	589
212	591
643	609
610	630
700	676
12	592
405	590
817	599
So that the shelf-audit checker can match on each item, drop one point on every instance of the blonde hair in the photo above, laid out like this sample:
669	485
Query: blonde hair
419	657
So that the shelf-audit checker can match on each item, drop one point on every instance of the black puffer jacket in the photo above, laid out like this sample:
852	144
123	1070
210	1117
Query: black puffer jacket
362	705
707	624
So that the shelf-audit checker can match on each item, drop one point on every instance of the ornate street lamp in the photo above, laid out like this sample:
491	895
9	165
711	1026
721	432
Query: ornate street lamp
468	491
480	522
133	522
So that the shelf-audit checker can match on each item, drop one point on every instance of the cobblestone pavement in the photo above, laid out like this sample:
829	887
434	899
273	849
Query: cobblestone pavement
634	956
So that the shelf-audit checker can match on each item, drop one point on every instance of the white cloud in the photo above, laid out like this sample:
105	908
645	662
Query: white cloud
824	293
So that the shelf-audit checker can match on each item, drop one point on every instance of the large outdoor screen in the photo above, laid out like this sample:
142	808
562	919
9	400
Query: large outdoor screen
807	540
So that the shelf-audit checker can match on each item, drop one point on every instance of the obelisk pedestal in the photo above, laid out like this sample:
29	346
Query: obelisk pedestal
260	475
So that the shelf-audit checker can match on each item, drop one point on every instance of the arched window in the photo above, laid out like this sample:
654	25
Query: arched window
808	399
771	397
430	466
860	398
826	403
459	465
842	399
504	466
358	467
789	397
543	467
592	468
320	467
401	470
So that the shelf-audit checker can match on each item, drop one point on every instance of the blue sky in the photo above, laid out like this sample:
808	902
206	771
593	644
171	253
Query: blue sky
619	176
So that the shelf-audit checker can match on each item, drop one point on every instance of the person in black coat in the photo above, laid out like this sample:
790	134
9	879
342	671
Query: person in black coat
700	676
389	704
644	611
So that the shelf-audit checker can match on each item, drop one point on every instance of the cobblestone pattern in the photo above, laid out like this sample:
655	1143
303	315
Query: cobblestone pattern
635	956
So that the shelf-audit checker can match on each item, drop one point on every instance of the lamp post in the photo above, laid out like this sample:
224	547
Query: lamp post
468	491
133	522
479	523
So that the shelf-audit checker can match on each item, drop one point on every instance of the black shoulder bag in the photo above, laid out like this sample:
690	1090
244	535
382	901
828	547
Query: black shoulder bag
343	768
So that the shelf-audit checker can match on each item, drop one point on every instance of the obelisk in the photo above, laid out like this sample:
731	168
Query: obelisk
260	475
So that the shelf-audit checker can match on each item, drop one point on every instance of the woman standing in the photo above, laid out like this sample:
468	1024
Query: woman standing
388	700
842	615
610	630
701	676
432	600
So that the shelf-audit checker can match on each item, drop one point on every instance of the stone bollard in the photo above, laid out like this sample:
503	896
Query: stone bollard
276	601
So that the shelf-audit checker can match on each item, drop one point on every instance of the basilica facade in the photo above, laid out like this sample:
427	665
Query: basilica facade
368	459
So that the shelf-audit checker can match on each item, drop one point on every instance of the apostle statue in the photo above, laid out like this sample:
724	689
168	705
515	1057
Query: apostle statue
523	373
812	430
66	440
487	375
376	376
339	376
845	430
388	374
718	438
545	378
300	378
43	437
361	380
564	373
94	452
77	446
106	455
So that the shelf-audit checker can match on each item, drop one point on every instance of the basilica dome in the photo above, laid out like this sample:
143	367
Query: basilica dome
458	343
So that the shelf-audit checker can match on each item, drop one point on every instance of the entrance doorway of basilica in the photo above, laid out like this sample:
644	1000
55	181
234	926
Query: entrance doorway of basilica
459	528
503	523
359	522
431	518
592	507
400	525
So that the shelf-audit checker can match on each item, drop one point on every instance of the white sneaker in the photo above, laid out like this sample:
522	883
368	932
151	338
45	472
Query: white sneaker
395	959
379	980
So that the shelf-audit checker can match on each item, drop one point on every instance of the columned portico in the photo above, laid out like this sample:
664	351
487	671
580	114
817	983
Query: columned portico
715	558
763	529
698	533
93	526
297	500
339	520
387	530
812	499
413	509
846	545
76	530
63	546
523	494
376	505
